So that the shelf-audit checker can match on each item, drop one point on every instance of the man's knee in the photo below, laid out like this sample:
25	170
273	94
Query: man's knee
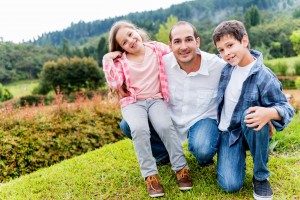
230	184
203	152
125	129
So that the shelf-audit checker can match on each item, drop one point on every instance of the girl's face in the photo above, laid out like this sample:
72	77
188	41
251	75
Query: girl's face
129	39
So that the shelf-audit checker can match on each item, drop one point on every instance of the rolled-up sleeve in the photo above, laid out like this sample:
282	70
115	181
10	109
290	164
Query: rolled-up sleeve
113	73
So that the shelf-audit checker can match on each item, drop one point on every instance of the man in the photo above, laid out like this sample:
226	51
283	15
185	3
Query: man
193	78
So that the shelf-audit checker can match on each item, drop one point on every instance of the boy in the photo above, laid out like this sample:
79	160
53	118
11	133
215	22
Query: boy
249	96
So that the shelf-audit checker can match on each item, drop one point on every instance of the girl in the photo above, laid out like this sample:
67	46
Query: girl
138	64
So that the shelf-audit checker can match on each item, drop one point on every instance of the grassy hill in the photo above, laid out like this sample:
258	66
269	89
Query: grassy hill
112	172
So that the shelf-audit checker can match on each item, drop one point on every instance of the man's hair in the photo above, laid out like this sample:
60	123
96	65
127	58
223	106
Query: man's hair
233	28
113	44
183	23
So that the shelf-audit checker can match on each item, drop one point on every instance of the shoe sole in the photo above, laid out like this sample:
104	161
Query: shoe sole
185	188
157	195
257	197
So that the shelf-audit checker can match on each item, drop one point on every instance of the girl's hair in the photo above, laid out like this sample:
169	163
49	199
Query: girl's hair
113	44
233	28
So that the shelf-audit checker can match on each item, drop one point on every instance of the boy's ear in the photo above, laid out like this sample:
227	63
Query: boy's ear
245	41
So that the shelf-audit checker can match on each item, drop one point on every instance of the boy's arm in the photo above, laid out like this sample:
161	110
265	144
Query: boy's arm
275	107
260	116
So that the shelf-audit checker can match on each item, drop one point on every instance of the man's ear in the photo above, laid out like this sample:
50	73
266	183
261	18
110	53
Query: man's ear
245	41
170	45
198	42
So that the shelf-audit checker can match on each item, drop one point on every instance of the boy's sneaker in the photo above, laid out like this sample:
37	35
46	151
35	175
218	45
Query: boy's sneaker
262	190
154	187
184	179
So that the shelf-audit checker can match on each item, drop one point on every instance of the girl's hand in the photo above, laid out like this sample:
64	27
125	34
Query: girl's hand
112	55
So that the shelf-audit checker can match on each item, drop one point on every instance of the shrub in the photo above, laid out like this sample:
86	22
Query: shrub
37	137
271	66
297	67
30	100
297	83
281	68
287	83
5	94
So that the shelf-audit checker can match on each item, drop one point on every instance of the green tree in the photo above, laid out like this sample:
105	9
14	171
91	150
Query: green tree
252	17
66	48
70	75
295	39
164	29
296	13
102	49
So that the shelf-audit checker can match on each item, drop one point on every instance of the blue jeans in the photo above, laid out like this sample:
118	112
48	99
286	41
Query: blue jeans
231	167
203	139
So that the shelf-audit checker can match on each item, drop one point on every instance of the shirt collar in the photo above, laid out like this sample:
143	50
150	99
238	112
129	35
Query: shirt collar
203	65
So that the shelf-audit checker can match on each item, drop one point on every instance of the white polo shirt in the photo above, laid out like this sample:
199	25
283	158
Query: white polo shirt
192	96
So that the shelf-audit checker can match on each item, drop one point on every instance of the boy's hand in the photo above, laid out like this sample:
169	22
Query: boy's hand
257	117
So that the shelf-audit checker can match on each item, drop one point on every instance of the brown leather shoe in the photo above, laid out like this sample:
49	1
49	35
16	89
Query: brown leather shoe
154	187
184	179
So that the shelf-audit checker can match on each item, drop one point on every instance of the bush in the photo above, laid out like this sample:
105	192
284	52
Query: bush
30	100
5	94
287	83
37	137
281	68
297	67
297	83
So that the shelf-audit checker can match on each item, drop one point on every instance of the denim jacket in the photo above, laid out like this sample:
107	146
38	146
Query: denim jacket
261	88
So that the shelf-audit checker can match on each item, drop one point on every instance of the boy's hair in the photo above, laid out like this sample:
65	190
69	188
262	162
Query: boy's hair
113	44
183	23
233	28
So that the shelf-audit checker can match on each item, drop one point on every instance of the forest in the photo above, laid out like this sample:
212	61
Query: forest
270	24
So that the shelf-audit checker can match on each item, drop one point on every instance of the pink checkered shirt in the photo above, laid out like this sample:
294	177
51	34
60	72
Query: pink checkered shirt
117	71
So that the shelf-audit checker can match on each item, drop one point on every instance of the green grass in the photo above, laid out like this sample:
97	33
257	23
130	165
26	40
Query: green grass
22	88
112	172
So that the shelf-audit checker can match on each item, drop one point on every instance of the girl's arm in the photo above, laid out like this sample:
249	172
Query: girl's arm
113	70
165	49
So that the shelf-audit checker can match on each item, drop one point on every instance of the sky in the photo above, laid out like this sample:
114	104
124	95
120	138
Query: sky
27	19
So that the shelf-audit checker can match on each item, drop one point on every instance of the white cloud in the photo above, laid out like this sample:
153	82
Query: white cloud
26	19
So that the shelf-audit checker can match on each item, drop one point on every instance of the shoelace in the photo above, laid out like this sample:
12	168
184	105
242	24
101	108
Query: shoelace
150	180
183	173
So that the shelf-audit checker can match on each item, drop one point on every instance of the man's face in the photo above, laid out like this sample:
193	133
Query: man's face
184	44
232	50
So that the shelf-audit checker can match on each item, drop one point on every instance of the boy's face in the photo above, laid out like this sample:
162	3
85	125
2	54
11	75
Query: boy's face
233	51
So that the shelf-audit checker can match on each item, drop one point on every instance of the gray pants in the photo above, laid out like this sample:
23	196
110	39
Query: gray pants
137	115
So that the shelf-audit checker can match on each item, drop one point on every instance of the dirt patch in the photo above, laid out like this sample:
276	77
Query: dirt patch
295	98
